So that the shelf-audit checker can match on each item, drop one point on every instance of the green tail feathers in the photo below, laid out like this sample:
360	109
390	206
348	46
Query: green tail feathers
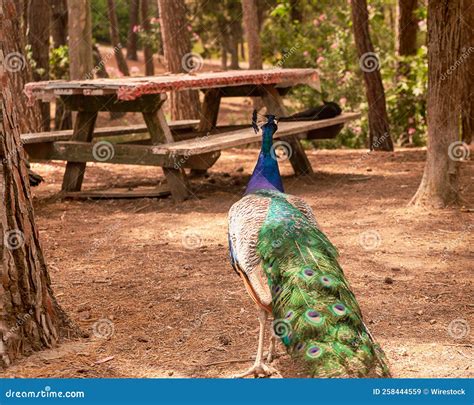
316	314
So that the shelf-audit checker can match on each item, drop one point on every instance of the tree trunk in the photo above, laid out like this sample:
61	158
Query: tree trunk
234	40
62	116
439	185
30	317
115	39
251	27
38	38
223	55
467	109
407	34
177	50
132	38
147	50
80	39
59	22
379	131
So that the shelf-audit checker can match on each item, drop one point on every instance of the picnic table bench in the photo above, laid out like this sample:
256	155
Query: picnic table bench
174	146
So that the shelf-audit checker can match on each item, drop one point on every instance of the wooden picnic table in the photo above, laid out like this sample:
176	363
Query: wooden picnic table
147	95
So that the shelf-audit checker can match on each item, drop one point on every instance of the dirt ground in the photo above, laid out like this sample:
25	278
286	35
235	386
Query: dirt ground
149	281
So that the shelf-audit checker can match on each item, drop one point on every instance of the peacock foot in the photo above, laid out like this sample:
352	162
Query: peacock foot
259	370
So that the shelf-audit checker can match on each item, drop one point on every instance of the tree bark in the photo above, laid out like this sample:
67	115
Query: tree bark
62	116
80	39
38	38
379	131
147	50
439	185
115	39
251	27
467	108
30	317
407	46
59	22
177	51
132	38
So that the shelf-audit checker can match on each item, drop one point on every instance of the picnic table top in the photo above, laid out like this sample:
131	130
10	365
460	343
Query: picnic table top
129	88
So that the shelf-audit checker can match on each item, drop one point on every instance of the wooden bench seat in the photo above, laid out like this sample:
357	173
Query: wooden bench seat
197	153
212	143
66	135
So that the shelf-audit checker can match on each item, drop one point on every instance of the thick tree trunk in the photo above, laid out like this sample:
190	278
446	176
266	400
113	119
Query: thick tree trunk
379	131
467	48
30	318
439	185
132	38
147	50
59	22
251	27
407	46
38	38
115	39
62	116
80	39
177	50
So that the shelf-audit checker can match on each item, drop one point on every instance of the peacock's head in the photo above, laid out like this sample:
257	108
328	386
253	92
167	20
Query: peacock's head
269	125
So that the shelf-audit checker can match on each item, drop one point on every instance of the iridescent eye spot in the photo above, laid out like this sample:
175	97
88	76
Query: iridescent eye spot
299	346
339	309
326	281
313	352
313	317
289	315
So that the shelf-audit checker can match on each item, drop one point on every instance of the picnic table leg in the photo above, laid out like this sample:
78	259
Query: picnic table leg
298	159
160	133
83	132
209	112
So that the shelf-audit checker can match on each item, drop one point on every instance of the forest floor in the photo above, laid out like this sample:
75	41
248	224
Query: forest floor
149	281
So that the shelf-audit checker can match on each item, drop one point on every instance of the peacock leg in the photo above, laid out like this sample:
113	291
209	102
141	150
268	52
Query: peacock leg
259	367
271	349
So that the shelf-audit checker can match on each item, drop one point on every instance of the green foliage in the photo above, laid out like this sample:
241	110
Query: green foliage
323	39
59	63
100	20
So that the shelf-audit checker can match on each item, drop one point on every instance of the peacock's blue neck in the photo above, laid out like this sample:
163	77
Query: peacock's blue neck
266	175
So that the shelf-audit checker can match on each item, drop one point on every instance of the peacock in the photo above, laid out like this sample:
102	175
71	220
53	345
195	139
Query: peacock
290	270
